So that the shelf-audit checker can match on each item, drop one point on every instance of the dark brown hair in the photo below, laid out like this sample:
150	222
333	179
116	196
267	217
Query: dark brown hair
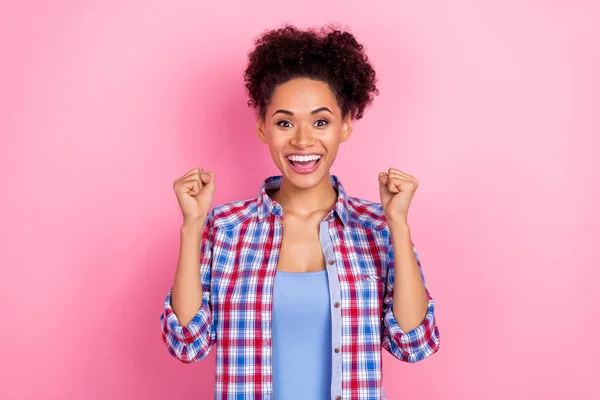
327	54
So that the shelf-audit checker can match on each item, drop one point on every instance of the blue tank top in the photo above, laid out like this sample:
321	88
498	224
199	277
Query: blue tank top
301	336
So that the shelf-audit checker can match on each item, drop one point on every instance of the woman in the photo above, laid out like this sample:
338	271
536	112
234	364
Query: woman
303	285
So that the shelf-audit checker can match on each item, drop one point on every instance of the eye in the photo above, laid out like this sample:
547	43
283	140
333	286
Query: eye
284	124
321	122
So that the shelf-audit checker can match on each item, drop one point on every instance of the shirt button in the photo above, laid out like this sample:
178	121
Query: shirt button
337	350
331	262
336	304
338	398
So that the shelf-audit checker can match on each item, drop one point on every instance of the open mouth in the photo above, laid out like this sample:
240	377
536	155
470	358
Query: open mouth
304	164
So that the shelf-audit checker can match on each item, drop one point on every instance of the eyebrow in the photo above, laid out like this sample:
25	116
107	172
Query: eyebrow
316	110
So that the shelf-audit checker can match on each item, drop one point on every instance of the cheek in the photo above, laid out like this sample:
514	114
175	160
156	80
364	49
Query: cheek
273	138
276	145
332	139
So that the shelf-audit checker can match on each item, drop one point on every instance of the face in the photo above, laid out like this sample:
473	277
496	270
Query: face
303	127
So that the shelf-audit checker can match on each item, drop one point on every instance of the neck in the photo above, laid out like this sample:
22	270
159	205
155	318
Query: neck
319	198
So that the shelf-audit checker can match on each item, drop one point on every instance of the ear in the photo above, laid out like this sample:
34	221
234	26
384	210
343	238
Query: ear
346	127
260	129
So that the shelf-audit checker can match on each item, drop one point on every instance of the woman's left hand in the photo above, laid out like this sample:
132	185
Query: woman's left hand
396	189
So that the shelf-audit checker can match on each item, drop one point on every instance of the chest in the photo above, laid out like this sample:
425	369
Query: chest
245	261
301	248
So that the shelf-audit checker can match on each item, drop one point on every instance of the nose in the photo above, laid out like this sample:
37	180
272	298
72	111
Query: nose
303	137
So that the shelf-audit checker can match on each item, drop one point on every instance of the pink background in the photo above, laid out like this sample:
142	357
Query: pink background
493	105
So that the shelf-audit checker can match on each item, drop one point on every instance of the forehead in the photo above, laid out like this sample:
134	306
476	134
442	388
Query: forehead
303	95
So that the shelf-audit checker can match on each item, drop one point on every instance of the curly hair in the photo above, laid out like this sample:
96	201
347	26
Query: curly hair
326	54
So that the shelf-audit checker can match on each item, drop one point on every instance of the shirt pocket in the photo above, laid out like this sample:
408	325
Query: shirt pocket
372	290
370	298
373	278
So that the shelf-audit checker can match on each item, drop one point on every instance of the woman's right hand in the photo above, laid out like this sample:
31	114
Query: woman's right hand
195	191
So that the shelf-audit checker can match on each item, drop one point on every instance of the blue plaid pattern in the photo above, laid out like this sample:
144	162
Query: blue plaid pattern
239	253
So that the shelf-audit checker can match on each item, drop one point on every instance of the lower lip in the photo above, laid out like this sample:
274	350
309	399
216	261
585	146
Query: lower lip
305	170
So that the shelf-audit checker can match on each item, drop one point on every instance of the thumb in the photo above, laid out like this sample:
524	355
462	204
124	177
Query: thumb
208	180
384	192
383	179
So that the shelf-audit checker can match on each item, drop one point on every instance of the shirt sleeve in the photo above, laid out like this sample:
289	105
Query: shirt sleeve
420	342
193	342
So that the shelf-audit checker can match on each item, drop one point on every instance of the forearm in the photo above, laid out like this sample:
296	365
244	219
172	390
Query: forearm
186	297
410	297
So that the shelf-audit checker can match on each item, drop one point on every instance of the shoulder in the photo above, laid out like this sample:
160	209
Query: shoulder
229	215
367	213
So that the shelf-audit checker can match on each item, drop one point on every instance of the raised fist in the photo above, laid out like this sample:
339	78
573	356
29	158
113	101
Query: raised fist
195	191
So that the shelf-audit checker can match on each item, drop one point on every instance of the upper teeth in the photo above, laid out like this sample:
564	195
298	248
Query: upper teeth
304	158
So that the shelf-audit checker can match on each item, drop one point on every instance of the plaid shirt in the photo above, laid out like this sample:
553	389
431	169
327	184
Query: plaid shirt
239	253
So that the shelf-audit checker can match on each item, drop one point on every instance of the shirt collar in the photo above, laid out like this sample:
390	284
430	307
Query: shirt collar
266	206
